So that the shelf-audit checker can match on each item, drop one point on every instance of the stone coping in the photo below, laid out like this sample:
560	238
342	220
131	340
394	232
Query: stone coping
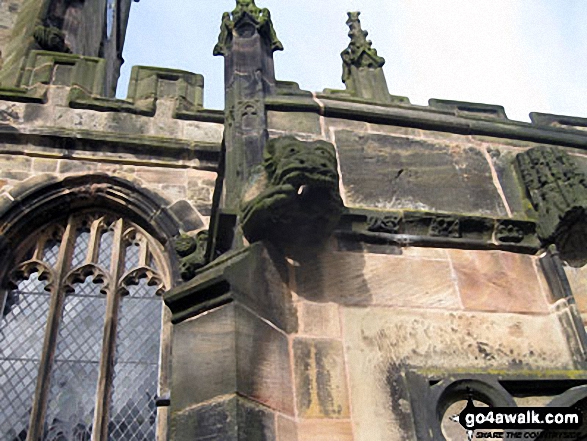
488	121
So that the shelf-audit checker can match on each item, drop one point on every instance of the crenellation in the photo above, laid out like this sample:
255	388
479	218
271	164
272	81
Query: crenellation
469	109
335	266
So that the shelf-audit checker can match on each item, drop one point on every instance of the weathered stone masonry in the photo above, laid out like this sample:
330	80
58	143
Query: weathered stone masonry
446	251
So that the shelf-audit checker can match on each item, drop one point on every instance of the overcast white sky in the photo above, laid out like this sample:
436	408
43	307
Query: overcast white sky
526	55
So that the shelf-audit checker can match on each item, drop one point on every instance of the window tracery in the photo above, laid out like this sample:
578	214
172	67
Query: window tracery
80	333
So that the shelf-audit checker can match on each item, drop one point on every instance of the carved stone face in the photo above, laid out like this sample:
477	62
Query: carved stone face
295	202
294	162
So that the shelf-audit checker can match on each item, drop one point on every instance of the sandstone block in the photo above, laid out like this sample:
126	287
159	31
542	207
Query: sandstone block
71	166
320	379
227	351
319	320
287	429
394	172
365	278
498	281
161	175
43	165
294	122
319	430
382	343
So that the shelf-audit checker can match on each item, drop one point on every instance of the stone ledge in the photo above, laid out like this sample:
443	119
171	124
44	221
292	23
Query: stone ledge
405	228
428	118
255	277
462	108
560	121
159	147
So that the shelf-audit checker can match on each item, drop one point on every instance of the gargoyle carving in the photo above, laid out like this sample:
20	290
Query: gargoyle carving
294	199
51	39
192	253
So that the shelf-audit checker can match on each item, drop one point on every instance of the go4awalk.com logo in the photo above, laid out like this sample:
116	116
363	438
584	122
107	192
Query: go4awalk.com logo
520	422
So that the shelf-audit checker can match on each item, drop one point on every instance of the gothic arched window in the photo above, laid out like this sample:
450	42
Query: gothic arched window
80	333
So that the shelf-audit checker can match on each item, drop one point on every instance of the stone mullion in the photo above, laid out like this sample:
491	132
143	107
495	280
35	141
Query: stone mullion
3	296
94	243
38	254
144	251
164	352
106	374
163	386
42	389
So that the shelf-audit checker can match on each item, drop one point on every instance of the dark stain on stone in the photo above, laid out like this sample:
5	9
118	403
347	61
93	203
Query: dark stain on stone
483	349
8	115
324	381
397	391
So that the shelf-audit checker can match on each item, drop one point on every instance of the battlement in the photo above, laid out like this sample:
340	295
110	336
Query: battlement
336	266
84	77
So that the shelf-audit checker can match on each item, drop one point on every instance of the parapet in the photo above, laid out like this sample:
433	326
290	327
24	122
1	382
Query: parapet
84	76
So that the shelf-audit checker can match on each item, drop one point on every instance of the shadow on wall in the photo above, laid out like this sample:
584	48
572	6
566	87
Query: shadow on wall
333	276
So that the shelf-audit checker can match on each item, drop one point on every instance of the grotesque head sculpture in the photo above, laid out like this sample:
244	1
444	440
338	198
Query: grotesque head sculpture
192	253
288	160
294	200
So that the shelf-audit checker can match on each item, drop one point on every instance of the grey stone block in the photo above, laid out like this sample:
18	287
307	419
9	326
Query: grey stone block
230	419
226	351
392	172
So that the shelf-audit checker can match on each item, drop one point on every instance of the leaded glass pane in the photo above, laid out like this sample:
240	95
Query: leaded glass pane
17	386
22	329
75	372
51	252
75	368
132	256
82	242
80	334
71	404
133	412
105	253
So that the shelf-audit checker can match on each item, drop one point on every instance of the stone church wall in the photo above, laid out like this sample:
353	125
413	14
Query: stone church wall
455	261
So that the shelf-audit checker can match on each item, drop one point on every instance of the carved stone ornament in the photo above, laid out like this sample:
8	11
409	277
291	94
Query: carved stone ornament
384	224
508	232
558	191
134	277
245	19
445	226
359	52
51	39
192	253
294	199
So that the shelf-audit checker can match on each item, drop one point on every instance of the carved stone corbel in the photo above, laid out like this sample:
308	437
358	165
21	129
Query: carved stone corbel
557	189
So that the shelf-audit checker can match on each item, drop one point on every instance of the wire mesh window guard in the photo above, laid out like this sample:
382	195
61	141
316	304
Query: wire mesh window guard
80	334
